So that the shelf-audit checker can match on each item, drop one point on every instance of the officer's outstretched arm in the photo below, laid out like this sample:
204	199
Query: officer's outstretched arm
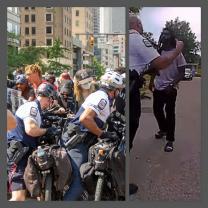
87	120
32	129
161	62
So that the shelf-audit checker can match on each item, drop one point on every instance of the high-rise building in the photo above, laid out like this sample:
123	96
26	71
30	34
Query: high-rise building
41	26
96	17
13	24
113	22
82	28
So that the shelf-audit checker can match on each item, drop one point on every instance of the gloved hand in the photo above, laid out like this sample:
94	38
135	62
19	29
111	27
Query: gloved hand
109	135
51	131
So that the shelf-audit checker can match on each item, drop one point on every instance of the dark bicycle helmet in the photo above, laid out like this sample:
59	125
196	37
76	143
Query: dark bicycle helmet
46	90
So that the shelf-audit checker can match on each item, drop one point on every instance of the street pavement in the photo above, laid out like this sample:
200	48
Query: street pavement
176	175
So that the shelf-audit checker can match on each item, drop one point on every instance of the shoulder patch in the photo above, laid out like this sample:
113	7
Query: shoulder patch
102	104
33	111
147	43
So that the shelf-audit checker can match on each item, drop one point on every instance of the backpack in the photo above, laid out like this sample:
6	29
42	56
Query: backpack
58	160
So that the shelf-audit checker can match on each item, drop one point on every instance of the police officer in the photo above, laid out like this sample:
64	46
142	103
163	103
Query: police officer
142	57
165	91
90	119
24	138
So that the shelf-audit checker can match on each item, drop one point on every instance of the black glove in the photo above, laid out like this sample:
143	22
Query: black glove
51	131
109	135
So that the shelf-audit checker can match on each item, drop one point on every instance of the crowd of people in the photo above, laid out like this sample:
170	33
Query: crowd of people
90	101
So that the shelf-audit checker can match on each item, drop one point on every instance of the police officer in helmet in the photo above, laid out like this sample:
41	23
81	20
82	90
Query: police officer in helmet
90	120
23	139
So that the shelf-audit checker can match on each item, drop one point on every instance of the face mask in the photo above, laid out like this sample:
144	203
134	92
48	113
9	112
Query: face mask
86	86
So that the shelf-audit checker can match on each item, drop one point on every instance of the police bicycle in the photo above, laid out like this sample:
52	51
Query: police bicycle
42	176
105	175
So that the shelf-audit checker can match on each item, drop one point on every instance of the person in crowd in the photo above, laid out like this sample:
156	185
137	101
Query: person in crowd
66	97
22	85
33	74
82	86
63	78
51	78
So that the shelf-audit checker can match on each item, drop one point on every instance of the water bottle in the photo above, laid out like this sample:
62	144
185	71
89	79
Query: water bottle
42	157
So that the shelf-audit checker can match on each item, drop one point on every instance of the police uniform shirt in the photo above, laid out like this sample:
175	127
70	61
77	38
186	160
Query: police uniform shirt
167	76
28	110
141	52
100	104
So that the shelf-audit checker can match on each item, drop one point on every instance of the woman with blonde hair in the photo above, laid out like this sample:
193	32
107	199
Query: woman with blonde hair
82	86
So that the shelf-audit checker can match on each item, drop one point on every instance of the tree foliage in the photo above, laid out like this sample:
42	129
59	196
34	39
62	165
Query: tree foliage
56	52
31	55
134	10
183	32
98	69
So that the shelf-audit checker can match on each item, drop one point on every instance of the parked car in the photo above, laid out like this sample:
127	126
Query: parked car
188	75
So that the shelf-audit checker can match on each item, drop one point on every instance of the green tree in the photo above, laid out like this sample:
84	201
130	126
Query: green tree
98	69
183	32
55	53
134	10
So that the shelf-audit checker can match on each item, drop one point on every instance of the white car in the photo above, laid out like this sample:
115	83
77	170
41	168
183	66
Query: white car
188	75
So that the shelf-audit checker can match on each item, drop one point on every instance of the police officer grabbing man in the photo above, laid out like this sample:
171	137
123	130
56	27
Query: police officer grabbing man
24	138
143	57
88	124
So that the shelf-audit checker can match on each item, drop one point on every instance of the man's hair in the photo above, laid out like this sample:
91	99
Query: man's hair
33	68
171	40
133	20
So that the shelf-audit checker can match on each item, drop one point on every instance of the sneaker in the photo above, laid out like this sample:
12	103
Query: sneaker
133	188
160	134
168	147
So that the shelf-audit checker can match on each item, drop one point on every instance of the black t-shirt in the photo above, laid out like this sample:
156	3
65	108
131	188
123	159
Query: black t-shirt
120	102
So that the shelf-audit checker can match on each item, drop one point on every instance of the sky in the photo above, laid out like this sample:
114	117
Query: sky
154	18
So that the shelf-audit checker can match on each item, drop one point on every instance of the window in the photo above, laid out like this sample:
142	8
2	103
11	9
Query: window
77	23
27	32
77	13
26	8
9	26
48	30
27	42
32	17
48	17
33	30
26	18
49	42
9	8
33	42
33	8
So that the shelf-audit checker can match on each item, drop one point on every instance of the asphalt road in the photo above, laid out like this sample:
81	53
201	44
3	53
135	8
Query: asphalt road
176	175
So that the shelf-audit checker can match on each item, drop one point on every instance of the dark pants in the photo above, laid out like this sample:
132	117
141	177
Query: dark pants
165	117
134	106
78	156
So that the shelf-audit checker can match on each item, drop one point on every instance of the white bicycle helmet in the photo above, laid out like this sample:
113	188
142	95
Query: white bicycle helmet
112	80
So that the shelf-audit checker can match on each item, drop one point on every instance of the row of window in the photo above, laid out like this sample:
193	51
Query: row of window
49	42
48	17
32	18
49	30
